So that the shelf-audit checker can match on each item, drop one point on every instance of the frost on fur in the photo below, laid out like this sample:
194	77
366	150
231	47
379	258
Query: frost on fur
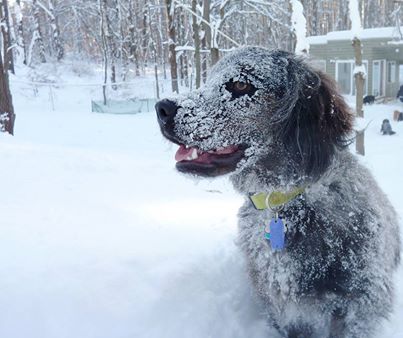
334	277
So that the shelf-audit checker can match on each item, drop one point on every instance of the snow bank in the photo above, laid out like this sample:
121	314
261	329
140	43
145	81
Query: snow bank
102	238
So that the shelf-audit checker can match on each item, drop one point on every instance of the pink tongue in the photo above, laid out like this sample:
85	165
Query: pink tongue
226	150
183	153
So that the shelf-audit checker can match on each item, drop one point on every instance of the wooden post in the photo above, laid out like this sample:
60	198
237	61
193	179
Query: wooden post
359	94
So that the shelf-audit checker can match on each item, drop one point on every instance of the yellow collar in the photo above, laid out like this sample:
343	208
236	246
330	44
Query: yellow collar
275	199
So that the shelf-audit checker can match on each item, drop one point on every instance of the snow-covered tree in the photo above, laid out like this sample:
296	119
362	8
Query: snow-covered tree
55	31
298	27
196	39
19	32
143	32
170	7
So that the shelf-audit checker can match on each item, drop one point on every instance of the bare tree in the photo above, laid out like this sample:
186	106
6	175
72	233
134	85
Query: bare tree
172	44
187	34
196	39
37	35
133	37
58	45
6	34
7	116
20	31
154	54
206	40
103	28
214	50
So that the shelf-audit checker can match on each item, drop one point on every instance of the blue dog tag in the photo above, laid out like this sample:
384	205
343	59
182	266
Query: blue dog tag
277	234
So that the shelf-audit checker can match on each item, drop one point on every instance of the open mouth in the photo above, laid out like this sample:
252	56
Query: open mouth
208	163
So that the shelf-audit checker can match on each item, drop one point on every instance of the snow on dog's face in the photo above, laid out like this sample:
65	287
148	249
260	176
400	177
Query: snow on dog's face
242	115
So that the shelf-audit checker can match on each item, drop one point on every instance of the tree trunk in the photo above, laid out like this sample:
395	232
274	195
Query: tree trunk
102	11
172	45
144	35
7	116
133	48
292	35
120	35
206	41
37	32
196	39
6	32
57	43
215	53
20	31
181	42
359	93
111	42
315	18
154	56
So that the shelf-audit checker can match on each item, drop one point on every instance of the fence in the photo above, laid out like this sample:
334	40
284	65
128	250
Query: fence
130	106
122	98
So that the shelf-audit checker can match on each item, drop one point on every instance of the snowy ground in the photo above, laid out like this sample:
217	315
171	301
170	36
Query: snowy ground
100	237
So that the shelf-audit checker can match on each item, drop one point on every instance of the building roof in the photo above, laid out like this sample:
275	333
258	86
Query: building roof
366	34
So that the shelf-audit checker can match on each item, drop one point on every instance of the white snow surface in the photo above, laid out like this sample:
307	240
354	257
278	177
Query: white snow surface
101	237
360	69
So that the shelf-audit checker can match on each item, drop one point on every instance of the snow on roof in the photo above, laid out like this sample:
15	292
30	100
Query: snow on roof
369	33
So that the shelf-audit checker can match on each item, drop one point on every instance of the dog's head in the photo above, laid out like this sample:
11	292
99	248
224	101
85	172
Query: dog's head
258	107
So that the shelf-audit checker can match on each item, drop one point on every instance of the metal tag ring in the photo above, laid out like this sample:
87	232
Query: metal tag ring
274	209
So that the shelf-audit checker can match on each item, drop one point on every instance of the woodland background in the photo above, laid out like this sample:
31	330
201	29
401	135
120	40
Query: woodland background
184	36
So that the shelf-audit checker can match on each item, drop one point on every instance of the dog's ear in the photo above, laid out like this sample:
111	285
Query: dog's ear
320	120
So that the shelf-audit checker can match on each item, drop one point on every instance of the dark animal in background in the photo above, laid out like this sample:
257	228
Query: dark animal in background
399	94
369	99
386	128
280	129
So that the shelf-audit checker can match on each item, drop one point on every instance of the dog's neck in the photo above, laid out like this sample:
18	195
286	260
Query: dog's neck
261	178
255	182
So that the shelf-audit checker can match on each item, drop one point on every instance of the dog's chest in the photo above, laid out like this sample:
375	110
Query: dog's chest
307	264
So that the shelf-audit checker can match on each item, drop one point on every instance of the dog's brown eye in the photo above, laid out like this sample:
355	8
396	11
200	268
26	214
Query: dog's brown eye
241	86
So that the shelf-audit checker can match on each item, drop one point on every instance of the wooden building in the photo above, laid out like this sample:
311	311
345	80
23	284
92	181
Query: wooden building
382	55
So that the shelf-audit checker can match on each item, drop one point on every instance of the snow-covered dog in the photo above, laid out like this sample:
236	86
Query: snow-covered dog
320	237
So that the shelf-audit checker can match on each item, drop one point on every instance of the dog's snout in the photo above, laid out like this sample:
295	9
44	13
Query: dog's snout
166	110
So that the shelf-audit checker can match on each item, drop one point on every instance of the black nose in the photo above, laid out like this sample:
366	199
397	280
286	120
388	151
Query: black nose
166	111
